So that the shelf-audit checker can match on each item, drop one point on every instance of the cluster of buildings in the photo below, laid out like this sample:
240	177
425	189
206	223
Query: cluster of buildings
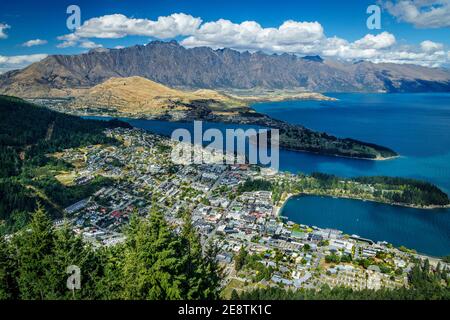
278	252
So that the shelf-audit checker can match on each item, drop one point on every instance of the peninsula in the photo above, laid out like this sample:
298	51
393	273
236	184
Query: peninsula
136	97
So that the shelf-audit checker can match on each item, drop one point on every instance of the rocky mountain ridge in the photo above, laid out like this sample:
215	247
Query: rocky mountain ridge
173	65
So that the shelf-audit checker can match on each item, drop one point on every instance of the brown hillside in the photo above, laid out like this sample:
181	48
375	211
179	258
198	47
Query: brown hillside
142	96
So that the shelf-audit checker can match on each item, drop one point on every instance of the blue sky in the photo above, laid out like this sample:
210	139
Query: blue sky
330	28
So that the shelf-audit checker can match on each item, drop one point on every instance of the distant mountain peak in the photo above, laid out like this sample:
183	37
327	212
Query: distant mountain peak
99	50
315	58
171	43
360	61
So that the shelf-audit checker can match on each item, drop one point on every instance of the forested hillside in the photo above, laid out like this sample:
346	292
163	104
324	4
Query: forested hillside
28	133
154	263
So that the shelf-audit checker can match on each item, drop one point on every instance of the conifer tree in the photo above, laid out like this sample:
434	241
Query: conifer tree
70	250
110	284
8	285
152	266
234	295
192	259
212	273
202	271
34	246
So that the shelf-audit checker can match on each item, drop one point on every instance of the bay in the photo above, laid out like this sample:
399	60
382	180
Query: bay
423	230
417	126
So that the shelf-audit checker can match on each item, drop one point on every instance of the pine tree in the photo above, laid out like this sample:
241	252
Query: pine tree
70	250
192	259
240	259
110	284
152	268
202	271
212	274
167	269
133	268
34	247
234	295
8	285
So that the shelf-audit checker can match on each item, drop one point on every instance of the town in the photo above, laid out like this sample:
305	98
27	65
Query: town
232	209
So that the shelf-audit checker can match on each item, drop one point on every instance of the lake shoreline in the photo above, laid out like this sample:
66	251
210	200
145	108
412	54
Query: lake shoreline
127	118
342	156
323	212
395	204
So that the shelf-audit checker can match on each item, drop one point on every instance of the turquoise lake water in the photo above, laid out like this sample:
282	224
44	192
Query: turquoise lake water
417	126
427	232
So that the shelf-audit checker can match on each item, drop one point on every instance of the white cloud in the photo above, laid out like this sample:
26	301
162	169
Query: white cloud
68	40
250	35
421	13
17	62
3	27
421	58
34	42
90	45
294	37
430	46
118	26
380	41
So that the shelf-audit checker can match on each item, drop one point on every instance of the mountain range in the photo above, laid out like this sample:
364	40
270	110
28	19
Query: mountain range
173	65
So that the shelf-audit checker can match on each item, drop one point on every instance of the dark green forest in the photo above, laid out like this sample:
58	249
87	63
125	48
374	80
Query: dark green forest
299	138
255	185
153	263
28	133
414	191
